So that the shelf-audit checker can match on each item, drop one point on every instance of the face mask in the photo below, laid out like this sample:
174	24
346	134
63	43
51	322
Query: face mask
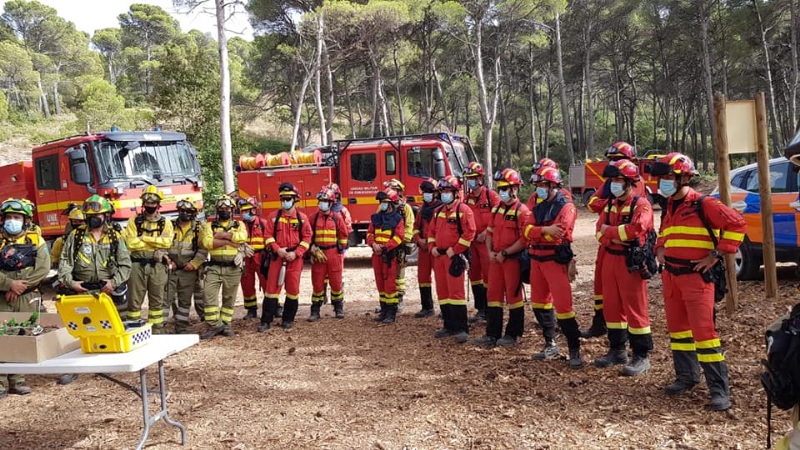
94	222
505	195
542	192
287	204
384	206
150	209
427	197
447	198
224	215
248	217
75	225
184	217
617	189
13	226
667	188
324	206
472	184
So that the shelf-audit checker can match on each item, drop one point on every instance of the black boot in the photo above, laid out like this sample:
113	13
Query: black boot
289	310
382	312
516	323
391	313
687	372
569	327
479	292
598	327
268	307
426	298
252	313
617	353
546	318
315	307
717	381
338	309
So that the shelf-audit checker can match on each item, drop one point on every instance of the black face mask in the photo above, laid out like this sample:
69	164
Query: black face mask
94	222
185	217
224	215
150	209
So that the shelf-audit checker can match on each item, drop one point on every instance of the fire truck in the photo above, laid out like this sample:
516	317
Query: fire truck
360	167
586	178
116	164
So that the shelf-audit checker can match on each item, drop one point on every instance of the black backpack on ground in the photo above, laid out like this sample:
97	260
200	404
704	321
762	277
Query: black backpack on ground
781	377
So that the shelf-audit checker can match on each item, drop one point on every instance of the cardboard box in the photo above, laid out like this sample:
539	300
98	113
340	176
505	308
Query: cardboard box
34	349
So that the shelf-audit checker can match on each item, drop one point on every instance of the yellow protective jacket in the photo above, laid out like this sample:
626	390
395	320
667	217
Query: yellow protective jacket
226	253
144	236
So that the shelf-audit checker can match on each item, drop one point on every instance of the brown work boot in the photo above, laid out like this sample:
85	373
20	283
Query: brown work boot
20	389
211	333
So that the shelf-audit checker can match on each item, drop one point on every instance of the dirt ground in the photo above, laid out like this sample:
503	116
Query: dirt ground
354	384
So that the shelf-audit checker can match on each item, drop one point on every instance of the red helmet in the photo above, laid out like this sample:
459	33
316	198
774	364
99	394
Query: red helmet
622	168
474	169
676	163
247	203
429	185
620	150
336	189
388	194
507	177
547	174
327	194
544	162
449	183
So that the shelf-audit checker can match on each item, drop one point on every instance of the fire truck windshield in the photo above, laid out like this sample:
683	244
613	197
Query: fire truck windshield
120	160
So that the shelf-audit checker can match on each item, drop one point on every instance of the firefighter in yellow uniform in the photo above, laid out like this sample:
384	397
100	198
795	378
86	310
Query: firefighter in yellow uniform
24	263
76	219
408	246
187	257
148	236
222	239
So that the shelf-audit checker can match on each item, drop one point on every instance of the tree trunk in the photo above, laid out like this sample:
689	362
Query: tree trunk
402	114
504	127
43	106
323	135
563	92
776	142
298	113
451	124
331	96
795	75
589	105
488	114
532	104
349	104
709	86
225	99
56	100
375	96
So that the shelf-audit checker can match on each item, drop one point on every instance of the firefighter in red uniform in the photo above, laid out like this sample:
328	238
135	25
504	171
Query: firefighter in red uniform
689	252
550	237
256	226
453	232
288	242
617	151
423	229
543	163
385	235
338	207
481	200
623	230
328	243
505	242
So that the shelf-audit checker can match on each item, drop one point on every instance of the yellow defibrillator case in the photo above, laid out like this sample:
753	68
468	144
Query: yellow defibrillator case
94	320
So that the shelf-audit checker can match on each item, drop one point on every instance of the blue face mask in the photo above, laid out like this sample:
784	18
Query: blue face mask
384	206
617	189
505	195
447	198
13	226
667	188
472	184
324	206
287	204
247	217
542	192
427	197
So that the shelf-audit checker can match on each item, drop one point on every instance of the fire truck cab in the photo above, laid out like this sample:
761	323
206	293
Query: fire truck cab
586	178
360	167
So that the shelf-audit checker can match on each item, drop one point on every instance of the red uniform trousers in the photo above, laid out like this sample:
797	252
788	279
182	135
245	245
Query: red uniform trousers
291	285
329	271
386	278
450	291
504	286
550	287
625	305
479	273
689	306
424	267
598	281
252	270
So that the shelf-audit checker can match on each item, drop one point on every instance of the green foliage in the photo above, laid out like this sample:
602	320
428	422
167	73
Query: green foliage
102	107
3	108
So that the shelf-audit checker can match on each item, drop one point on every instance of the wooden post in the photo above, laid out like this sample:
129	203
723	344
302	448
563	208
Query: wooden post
723	167
765	192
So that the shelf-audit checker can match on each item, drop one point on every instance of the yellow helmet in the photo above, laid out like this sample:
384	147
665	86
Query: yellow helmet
76	214
152	194
224	201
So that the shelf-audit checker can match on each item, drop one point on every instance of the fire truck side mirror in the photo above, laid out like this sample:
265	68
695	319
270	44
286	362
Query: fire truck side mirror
79	167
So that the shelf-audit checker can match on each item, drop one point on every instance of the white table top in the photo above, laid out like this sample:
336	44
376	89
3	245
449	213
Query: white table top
159	347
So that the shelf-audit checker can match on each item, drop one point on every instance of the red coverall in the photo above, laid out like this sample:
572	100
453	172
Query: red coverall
549	278
386	229
624	293
293	236
423	229
688	298
506	228
328	230
252	265
449	289
481	203
596	205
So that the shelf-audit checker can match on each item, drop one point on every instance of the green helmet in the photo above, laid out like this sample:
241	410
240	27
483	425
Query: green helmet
97	205
13	205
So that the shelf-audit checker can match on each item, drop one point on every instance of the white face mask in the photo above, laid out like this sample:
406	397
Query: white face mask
287	204
427	197
667	188
324	206
447	198
617	189
384	206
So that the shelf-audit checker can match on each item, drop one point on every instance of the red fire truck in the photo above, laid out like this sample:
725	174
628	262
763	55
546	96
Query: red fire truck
360	167
115	164
586	178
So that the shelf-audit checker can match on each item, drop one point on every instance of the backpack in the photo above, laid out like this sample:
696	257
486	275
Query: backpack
781	377
139	222
113	230
639	258
175	226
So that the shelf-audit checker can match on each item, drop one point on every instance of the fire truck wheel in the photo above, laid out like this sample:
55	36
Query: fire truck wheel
586	195
747	262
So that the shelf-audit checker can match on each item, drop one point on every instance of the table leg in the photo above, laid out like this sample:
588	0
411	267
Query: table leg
148	421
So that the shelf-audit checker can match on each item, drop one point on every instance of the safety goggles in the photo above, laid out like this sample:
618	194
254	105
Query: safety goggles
92	207
14	205
498	176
